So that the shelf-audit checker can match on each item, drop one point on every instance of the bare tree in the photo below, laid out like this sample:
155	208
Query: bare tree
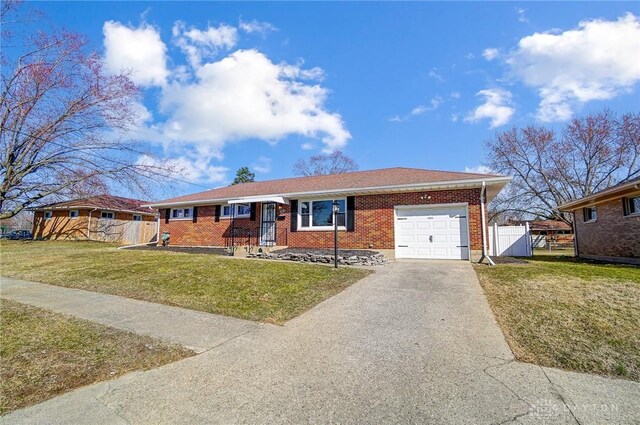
594	152
333	163
60	114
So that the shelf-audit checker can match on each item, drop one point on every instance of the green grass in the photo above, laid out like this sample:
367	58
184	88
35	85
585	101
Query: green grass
249	289
567	313
44	354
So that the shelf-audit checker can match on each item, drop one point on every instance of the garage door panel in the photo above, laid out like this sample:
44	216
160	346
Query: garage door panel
439	239
428	232
407	225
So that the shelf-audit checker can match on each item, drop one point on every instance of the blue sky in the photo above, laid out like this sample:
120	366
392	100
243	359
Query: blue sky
392	84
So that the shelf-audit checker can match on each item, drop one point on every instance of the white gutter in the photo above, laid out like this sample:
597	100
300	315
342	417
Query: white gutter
408	187
484	226
247	200
89	224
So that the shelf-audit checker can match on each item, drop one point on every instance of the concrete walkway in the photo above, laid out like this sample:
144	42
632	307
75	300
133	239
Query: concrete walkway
413	343
192	329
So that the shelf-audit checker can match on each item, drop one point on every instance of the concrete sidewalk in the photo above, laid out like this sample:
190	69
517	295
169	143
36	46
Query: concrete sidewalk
195	330
415	342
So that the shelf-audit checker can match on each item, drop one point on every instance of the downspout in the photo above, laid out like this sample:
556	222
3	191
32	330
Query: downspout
158	227
484	226
89	224
576	250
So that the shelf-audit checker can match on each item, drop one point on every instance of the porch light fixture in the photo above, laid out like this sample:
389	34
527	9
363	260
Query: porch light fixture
336	210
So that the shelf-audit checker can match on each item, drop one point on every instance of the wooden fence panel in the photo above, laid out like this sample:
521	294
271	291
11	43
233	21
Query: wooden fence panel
123	231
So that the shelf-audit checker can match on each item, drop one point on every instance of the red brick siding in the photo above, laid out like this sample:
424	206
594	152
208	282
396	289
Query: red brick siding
611	235
206	231
374	225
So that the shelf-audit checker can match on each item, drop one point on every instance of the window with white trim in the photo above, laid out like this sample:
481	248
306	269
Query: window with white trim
241	210
73	213
108	215
48	215
137	217
318	214
632	206
181	213
590	214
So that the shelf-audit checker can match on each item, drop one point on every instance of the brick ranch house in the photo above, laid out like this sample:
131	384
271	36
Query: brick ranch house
402	212
607	223
104	218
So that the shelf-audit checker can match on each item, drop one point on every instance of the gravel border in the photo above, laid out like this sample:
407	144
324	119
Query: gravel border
326	251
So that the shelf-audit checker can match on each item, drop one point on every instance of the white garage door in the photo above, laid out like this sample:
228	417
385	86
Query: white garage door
432	232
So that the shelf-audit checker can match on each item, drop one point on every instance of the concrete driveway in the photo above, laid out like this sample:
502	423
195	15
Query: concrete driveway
414	343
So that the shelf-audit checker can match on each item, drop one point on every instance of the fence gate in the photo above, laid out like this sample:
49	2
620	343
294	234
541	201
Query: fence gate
510	241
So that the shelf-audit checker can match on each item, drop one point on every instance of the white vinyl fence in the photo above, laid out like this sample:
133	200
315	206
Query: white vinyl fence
511	241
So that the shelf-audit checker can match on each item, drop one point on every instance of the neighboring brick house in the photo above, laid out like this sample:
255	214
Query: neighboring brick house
103	218
404	212
607	223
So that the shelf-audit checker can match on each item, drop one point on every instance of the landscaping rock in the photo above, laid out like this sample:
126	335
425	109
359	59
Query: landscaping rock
346	257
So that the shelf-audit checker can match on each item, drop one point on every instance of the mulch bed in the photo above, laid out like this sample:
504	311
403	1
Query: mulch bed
183	249
508	260
328	251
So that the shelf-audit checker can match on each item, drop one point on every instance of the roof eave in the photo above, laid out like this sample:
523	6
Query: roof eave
90	207
497	182
602	196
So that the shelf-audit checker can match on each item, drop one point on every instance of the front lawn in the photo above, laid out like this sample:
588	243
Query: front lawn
249	289
570	314
43	354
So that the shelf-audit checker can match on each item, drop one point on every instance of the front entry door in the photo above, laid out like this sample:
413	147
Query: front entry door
268	224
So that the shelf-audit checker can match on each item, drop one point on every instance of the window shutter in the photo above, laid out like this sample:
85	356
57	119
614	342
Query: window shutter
351	207
252	215
195	214
216	214
294	215
167	215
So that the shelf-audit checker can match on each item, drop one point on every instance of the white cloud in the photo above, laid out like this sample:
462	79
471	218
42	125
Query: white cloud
138	50
203	107
190	169
597	61
479	169
490	53
435	75
254	26
243	96
455	117
308	146
202	44
497	107
455	95
419	110
262	165
522	17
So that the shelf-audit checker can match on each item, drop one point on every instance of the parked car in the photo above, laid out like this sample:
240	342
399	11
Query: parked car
20	234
